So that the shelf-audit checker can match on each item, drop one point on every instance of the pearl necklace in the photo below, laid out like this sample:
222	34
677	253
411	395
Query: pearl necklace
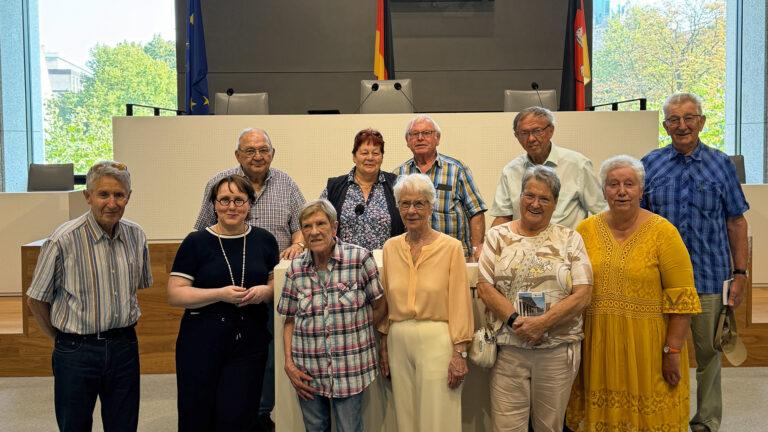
229	267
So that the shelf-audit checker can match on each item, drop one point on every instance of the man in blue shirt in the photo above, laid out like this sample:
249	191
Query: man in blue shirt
695	187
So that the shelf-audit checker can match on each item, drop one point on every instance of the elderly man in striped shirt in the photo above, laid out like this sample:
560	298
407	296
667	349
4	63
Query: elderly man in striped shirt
459	208
83	295
331	294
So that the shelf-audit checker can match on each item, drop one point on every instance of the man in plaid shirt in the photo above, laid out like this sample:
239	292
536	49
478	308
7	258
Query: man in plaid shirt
331	294
695	187
459	207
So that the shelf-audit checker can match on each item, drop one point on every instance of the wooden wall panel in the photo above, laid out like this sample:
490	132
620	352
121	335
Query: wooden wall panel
29	354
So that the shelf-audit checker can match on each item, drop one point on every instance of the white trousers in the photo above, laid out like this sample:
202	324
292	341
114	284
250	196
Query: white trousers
419	353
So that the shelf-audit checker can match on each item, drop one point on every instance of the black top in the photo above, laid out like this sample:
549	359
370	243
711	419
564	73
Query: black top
337	192
199	259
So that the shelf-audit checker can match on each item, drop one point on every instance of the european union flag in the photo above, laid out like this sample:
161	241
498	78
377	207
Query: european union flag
197	63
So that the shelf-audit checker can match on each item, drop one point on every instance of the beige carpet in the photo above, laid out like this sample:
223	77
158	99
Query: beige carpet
26	404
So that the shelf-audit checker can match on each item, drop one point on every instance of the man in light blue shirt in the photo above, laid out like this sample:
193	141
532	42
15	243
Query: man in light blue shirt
580	195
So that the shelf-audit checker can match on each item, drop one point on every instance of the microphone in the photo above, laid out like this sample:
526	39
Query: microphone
374	88
230	92
399	87
359	209
535	86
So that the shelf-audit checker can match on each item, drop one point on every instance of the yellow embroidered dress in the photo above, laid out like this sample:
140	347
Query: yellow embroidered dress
636	282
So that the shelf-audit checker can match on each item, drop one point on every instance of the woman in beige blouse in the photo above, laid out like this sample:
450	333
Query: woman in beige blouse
522	262
429	315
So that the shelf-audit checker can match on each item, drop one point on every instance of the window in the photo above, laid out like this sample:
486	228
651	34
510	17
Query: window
97	56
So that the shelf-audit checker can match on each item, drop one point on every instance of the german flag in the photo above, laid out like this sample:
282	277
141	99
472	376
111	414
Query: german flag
383	54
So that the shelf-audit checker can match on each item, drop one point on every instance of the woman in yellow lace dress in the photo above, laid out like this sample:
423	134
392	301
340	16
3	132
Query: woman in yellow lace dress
634	373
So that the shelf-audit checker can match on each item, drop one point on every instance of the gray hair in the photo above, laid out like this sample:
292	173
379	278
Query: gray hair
251	130
535	111
544	174
318	205
423	117
418	183
622	161
681	98
116	170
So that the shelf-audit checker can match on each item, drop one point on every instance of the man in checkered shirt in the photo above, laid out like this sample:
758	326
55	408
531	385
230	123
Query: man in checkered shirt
695	187
459	208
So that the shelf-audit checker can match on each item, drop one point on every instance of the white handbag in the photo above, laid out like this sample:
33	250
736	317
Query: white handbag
482	352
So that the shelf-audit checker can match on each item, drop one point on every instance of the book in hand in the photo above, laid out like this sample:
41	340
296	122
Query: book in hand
727	290
531	303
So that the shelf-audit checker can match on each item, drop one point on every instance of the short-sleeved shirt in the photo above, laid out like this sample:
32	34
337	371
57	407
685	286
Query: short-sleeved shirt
697	194
371	228
458	198
580	192
333	339
276	209
550	263
89	278
201	260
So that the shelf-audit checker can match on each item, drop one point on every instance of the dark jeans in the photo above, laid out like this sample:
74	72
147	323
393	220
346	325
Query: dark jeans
219	369
86	368
268	388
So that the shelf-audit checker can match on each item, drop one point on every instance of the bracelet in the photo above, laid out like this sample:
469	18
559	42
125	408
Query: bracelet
739	272
300	244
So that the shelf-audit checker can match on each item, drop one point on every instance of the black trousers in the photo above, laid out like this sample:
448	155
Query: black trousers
87	367
220	362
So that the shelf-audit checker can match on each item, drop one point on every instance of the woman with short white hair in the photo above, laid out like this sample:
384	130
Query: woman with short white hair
430	317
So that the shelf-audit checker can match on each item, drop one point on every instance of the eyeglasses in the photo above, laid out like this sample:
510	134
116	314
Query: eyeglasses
689	119
531	197
538	133
225	202
422	134
418	205
251	152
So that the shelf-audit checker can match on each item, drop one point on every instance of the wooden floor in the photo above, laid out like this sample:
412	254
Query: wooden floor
10	311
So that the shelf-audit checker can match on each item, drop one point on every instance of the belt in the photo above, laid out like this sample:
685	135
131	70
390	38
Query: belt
106	334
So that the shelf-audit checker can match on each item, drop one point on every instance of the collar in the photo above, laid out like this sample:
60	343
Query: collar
336	255
696	154
351	176
438	162
270	172
552	160
98	232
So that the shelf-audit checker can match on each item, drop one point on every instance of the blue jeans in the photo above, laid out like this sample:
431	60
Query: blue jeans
348	413
84	369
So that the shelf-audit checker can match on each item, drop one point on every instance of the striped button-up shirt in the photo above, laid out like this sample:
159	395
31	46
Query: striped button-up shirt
276	209
333	339
90	279
458	198
697	193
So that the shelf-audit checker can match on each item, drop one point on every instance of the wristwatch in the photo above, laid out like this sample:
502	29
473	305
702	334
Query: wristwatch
669	350
512	318
463	354
739	272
